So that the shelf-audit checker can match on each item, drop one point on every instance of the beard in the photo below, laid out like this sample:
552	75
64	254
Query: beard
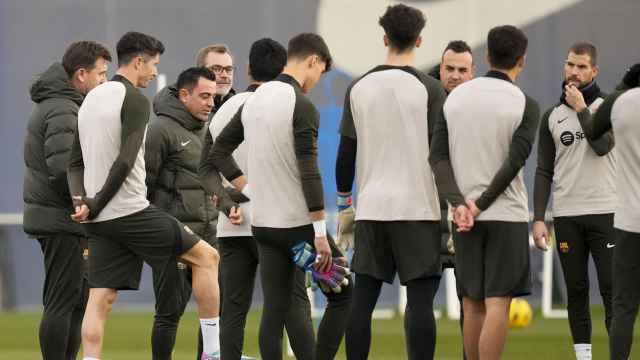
223	90
575	81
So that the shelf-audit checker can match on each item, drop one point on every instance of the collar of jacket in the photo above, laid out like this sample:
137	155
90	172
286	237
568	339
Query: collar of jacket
54	83
166	103
590	93
498	75
288	79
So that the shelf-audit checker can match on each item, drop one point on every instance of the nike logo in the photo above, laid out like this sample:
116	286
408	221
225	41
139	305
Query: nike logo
562	120
609	245
185	143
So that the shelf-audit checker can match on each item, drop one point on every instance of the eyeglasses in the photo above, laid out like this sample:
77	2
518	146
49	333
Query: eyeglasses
218	69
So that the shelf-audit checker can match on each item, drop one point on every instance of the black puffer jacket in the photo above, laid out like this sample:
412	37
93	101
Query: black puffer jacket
172	156
50	132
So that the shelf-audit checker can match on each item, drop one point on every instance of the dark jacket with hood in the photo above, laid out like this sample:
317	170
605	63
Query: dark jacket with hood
50	133
172	156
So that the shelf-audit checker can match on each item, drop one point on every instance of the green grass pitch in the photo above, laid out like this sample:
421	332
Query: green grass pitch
127	338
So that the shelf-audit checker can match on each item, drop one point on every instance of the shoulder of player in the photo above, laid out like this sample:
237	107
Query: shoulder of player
632	95
226	112
531	109
529	101
619	100
552	114
164	125
303	103
163	130
134	96
400	71
233	104
111	89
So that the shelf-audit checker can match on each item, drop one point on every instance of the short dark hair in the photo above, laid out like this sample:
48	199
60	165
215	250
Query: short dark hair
458	47
585	48
188	79
133	44
83	54
267	58
307	44
507	44
402	24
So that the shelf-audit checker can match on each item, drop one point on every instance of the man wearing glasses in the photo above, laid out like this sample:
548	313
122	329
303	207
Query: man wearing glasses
218	59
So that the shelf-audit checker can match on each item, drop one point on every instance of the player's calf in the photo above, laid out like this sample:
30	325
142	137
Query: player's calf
204	260
495	327
100	302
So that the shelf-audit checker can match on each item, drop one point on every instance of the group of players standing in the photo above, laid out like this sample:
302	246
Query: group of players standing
152	195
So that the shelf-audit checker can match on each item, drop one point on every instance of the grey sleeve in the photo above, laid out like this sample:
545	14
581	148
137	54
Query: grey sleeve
597	125
347	126
519	150
545	168
441	163
602	145
306	121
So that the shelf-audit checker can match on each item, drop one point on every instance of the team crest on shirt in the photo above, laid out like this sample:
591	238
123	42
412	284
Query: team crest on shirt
181	266
564	247
85	254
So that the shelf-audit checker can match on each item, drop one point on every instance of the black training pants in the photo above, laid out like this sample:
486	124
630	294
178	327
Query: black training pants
64	295
576	238
277	273
626	293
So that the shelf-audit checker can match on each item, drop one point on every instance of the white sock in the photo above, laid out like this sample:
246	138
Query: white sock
210	335
583	351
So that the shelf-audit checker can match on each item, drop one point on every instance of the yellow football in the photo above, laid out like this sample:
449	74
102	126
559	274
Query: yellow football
520	313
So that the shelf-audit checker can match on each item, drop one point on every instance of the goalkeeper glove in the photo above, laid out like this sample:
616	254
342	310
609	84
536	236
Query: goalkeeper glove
304	256
346	222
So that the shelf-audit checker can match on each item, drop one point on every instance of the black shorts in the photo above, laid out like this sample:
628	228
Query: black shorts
410	248
118	247
492	260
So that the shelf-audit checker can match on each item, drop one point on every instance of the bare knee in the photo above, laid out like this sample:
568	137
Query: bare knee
202	255
210	256
102	300
91	334
215	256
498	305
